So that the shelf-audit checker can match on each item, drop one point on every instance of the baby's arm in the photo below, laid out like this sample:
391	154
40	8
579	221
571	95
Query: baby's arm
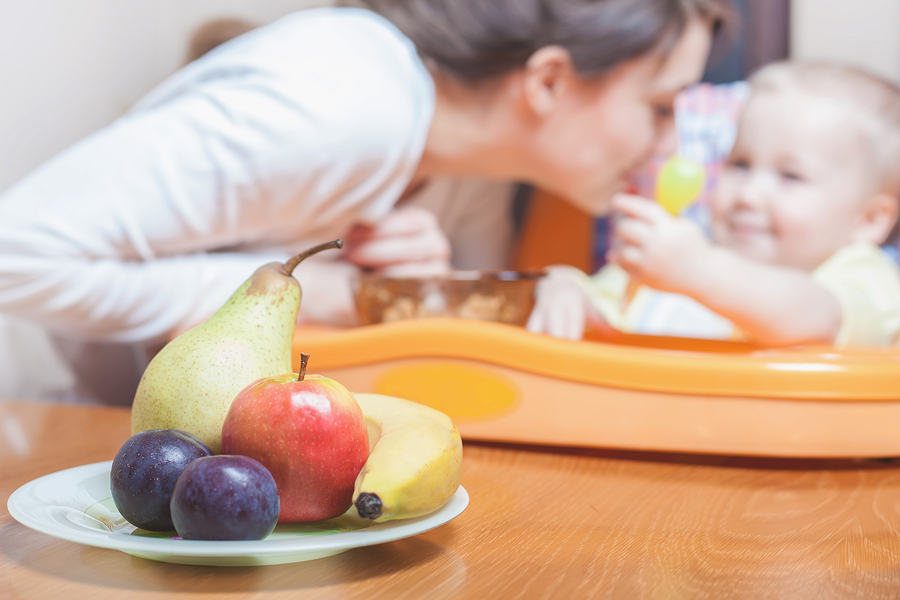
773	305
562	304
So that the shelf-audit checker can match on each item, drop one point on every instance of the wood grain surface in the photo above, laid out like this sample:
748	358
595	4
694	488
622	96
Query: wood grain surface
542	523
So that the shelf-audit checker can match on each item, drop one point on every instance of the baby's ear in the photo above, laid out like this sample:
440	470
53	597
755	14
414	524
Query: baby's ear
878	219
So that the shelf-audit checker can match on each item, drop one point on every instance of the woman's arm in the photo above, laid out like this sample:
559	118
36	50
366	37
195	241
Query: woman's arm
113	239
243	157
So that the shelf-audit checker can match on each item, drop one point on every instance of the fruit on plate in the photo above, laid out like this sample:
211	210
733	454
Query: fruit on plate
190	384
225	498
415	462
144	473
309	432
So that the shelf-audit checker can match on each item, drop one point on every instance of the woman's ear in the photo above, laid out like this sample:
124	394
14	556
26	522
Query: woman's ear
546	76
879	218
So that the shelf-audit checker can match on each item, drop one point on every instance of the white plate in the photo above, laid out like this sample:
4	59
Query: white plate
76	505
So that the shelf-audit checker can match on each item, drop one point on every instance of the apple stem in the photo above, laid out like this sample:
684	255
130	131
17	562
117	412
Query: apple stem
290	265
304	358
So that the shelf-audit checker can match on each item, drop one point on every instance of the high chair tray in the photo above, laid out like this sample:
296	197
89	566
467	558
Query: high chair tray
503	383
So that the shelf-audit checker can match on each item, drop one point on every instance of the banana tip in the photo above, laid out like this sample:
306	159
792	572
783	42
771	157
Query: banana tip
368	505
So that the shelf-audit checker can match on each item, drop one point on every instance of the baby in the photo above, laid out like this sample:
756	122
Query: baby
808	194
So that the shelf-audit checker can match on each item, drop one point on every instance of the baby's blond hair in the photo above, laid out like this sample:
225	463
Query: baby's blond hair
876	100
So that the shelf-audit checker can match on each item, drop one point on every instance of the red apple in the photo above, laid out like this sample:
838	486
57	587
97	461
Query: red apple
310	433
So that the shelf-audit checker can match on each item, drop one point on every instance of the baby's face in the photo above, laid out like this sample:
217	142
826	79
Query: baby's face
792	190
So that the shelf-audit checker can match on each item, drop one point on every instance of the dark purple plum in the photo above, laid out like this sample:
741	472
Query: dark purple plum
144	473
225	497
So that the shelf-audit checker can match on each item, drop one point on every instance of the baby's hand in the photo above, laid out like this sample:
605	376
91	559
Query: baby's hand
563	307
407	242
664	252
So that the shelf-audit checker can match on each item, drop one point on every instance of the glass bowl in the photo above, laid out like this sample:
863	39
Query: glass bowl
500	296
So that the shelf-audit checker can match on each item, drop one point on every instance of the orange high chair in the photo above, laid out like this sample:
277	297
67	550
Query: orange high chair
504	384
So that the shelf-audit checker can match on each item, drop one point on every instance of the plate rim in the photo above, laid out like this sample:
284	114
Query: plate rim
345	540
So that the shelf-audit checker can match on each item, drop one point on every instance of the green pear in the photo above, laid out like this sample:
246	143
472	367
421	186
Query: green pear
190	384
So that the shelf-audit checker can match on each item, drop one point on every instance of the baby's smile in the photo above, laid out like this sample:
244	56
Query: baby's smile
742	229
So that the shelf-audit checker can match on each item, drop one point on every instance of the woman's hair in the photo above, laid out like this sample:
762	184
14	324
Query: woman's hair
215	33
474	40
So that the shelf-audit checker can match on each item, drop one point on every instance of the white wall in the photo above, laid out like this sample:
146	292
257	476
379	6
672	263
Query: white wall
69	67
864	33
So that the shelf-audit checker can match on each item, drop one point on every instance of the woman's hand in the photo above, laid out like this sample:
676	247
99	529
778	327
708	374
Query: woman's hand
563	308
407	242
664	252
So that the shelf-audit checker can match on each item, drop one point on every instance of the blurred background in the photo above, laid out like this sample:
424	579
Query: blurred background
69	68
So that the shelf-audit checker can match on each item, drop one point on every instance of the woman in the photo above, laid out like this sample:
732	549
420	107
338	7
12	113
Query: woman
321	125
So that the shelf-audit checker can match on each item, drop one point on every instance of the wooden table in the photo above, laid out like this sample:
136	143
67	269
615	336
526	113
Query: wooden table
544	523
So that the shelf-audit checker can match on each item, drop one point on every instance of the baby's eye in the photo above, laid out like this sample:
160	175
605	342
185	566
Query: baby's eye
739	164
792	176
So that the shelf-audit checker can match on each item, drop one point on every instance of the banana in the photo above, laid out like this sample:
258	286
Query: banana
415	459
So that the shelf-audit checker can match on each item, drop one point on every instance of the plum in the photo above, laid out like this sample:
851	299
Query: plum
225	497
144	472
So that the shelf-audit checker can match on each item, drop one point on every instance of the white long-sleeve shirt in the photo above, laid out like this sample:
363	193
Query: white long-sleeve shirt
278	139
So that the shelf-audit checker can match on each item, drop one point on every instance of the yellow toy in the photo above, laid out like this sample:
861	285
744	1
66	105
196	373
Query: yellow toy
678	183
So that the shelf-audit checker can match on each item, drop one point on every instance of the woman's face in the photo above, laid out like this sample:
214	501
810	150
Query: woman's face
606	129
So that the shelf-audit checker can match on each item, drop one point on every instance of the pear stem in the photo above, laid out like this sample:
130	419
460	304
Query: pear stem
304	358
290	265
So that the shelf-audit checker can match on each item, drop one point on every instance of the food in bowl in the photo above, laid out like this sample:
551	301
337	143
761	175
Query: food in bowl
501	296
